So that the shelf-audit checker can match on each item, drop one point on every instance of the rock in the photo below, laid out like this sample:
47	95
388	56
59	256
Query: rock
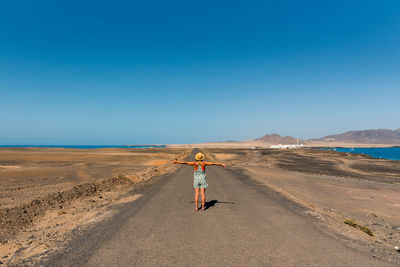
397	248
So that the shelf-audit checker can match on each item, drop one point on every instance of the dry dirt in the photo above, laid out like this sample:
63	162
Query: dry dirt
333	186
27	173
45	193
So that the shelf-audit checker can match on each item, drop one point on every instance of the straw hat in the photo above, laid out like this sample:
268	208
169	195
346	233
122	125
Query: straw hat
199	156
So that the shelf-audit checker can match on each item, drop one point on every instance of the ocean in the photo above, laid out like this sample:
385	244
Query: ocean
392	153
86	146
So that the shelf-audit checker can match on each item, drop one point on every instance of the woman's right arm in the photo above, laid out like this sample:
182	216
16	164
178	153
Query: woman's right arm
182	162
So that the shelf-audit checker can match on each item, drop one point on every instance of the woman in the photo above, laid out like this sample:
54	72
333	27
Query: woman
200	178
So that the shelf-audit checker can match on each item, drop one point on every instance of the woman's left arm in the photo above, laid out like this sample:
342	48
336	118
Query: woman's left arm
215	163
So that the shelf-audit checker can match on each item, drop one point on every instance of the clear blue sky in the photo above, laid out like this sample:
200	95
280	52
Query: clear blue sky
117	72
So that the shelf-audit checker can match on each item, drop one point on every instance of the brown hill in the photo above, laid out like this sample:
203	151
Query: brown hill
379	136
276	139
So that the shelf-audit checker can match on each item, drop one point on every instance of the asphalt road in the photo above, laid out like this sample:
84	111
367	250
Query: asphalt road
244	225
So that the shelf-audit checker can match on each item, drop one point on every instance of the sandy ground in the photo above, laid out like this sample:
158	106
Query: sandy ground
26	173
333	186
46	193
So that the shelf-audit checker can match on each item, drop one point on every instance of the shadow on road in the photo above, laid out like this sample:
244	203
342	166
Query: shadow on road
212	203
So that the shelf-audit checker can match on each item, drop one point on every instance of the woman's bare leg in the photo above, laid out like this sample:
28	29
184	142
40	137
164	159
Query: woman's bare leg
196	198
203	197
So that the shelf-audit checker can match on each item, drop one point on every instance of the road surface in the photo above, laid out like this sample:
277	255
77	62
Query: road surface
244	225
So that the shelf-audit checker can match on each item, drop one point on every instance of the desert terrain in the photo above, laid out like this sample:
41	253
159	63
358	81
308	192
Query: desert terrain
52	197
46	193
334	187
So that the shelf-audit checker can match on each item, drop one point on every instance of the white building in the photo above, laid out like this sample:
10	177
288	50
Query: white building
285	146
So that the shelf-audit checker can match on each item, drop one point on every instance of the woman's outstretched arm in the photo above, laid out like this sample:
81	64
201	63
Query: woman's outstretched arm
215	163
182	162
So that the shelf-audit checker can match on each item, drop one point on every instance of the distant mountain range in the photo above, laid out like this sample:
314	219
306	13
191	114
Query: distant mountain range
276	139
379	136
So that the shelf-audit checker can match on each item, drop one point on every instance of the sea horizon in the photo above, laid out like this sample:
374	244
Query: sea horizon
83	146
390	153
